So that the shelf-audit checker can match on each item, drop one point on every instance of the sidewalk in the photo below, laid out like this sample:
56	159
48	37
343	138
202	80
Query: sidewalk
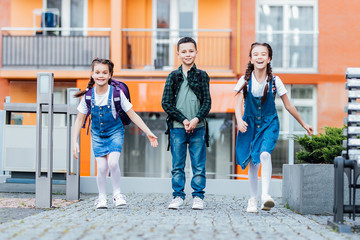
146	217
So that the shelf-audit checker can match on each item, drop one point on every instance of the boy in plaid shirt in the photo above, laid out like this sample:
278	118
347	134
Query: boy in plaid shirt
186	100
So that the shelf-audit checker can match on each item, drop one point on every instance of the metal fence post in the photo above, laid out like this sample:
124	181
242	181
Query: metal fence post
339	190
43	188
291	150
72	165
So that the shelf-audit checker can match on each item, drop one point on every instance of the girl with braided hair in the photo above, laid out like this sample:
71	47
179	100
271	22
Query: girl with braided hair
107	130
259	124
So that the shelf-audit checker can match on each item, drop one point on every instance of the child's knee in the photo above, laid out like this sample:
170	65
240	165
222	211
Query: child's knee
113	165
102	170
265	156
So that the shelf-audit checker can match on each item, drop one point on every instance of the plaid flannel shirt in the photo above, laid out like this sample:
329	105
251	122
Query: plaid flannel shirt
198	82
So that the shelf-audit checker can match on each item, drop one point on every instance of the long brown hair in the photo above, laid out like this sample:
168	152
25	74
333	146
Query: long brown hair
250	69
91	81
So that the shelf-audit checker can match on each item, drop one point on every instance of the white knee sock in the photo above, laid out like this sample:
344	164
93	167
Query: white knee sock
253	179
266	170
115	171
102	168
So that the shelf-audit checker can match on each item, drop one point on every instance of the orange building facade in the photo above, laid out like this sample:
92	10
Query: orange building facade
312	49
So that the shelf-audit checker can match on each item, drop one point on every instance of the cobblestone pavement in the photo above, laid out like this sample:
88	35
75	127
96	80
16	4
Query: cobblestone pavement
146	217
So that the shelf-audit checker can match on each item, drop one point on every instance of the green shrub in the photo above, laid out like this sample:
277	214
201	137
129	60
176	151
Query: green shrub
322	148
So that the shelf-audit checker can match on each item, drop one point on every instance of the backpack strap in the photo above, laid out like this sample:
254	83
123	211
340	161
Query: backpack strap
117	87
88	96
117	100
274	87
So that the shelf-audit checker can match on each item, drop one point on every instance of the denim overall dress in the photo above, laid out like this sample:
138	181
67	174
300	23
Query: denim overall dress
107	133
262	130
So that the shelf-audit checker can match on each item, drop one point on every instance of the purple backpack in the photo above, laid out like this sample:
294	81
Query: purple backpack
117	86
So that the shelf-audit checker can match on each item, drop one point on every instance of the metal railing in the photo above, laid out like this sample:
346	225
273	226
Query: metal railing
347	166
155	49
53	47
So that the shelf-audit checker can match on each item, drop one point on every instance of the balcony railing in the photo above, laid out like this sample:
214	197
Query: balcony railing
155	49
51	48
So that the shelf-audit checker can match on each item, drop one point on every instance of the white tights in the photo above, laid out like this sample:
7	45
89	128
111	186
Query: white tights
266	169
102	168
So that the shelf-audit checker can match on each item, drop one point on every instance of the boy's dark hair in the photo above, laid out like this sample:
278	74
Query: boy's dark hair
186	40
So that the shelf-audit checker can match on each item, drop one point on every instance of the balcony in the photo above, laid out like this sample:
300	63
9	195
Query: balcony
53	47
155	49
142	49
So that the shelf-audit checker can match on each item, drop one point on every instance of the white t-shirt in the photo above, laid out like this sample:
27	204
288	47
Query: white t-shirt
101	100
257	89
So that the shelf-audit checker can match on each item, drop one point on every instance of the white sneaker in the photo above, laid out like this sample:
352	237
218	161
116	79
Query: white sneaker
252	205
267	202
119	200
101	203
198	203
176	203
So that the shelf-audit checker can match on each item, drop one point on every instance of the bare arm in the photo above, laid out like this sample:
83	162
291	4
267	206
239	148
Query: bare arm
242	125
292	110
140	123
77	127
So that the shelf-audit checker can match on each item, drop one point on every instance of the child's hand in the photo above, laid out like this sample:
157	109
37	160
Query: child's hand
242	126
186	125
309	129
76	150
153	140
192	125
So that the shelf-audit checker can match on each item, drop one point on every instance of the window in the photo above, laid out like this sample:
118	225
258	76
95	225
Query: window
291	28
73	14
174	19
304	98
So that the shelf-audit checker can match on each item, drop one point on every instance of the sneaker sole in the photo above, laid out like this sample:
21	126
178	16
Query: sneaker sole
268	205
120	206
252	211
101	208
197	208
174	208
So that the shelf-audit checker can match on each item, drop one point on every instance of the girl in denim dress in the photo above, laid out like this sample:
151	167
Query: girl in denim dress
107	130
259	124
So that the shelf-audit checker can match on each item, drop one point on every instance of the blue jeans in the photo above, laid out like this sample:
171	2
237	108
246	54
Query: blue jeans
197	149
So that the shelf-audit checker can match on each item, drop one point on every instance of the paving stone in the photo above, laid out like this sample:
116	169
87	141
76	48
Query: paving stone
146	217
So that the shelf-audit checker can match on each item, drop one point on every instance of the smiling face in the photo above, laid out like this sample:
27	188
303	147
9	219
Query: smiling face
187	53
101	74
260	57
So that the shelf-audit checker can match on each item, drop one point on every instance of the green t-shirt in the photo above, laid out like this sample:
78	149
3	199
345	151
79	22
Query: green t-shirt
187	103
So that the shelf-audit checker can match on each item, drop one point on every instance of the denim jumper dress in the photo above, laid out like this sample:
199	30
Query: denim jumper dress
107	133
262	130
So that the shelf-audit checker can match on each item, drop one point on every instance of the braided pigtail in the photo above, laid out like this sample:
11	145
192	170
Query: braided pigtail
89	86
269	77
247	77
